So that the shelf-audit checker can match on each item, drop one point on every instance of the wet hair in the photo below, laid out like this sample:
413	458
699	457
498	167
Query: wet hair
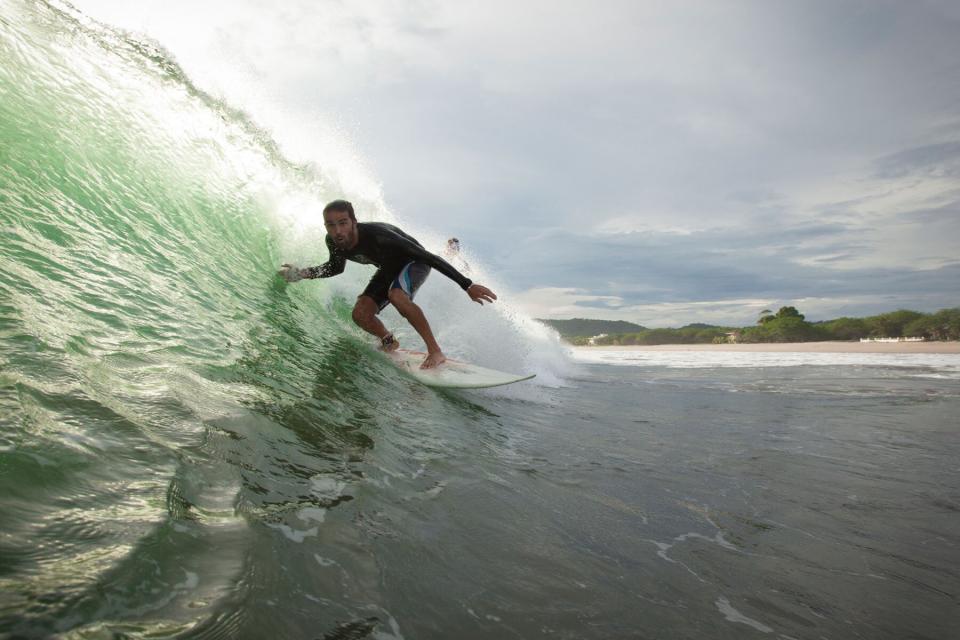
453	241
342	206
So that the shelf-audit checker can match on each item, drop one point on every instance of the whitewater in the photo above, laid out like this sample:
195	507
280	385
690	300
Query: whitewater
191	447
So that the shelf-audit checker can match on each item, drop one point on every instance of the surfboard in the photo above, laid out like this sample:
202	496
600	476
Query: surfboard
452	374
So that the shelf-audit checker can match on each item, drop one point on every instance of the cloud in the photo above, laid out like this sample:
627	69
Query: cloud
640	152
564	302
937	160
709	274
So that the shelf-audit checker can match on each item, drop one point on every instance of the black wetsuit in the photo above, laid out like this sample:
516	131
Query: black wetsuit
390	249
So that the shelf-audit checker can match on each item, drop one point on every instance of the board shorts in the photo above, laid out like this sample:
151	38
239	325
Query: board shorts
408	280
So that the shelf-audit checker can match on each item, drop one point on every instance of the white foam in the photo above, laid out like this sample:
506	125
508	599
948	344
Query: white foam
295	535
947	364
327	487
733	615
191	582
324	562
312	514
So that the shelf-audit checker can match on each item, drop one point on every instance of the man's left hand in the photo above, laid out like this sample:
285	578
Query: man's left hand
480	294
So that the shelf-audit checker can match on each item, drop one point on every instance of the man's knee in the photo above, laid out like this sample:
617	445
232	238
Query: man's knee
399	299
364	310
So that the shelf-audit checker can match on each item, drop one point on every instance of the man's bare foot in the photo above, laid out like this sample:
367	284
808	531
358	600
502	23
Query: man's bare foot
433	359
388	343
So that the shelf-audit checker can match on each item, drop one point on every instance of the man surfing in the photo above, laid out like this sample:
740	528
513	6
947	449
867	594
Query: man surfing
402	266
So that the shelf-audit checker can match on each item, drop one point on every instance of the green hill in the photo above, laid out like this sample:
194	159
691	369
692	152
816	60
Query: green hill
585	328
787	325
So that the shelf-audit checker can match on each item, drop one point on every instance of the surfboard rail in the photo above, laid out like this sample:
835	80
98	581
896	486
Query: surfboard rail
452	374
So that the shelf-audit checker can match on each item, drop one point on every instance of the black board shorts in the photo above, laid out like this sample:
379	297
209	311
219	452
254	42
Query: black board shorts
409	280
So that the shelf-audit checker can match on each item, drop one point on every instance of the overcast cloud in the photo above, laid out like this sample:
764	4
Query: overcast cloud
657	162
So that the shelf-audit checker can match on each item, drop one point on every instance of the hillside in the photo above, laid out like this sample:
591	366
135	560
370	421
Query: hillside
787	325
584	328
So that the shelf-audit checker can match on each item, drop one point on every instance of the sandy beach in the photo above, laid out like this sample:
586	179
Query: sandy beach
800	347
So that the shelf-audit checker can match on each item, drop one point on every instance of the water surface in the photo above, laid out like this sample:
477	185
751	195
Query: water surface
191	448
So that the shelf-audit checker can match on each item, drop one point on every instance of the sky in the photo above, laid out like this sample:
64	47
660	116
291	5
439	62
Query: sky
658	162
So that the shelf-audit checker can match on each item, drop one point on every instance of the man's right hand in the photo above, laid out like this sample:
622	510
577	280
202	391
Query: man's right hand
290	273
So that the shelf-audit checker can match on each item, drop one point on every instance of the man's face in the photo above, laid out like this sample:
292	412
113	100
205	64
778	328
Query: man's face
341	228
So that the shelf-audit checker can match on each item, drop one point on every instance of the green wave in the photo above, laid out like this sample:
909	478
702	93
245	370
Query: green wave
132	208
142	327
169	408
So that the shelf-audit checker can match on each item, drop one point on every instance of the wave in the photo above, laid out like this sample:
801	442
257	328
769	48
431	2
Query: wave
159	385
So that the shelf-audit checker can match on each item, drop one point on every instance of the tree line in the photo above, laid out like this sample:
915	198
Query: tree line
789	325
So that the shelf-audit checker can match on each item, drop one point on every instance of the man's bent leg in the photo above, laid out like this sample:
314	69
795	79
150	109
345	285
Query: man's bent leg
414	315
365	316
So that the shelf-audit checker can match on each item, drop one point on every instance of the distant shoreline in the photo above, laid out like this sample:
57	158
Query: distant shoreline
796	347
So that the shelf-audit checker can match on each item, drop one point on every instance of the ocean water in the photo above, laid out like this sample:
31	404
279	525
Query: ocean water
189	447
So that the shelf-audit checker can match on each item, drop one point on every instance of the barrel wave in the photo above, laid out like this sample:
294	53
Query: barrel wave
176	420
191	447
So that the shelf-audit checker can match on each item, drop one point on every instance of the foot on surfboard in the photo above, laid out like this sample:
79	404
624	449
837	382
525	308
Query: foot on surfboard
388	343
433	359
454	374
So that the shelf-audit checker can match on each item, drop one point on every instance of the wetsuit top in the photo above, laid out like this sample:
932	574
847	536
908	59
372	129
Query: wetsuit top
387	247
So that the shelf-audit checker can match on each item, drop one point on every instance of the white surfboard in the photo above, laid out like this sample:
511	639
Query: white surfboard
452	374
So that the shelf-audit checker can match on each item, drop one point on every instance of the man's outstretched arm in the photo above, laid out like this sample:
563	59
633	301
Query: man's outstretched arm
332	267
292	273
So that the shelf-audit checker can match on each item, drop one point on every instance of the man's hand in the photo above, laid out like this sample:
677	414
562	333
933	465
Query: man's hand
290	273
480	294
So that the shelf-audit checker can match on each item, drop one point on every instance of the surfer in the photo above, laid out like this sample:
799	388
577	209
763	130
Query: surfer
452	255
402	266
